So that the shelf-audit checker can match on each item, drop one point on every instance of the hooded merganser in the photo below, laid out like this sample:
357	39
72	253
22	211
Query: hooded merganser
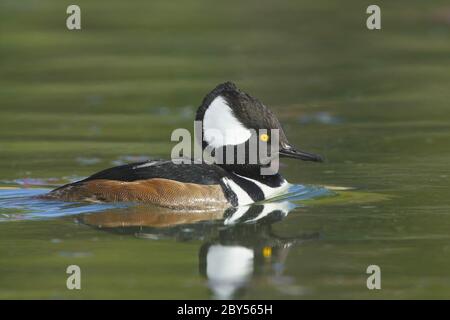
231	112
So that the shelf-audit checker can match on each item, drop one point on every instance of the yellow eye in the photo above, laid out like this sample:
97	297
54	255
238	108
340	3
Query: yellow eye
267	252
264	137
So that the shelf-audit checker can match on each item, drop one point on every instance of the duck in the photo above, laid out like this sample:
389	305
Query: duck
228	112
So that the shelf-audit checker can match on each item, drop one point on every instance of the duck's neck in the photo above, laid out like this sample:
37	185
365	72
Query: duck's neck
248	185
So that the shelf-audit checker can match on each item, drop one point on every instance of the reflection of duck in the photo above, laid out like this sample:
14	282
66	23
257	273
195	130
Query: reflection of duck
237	244
236	254
147	217
229	118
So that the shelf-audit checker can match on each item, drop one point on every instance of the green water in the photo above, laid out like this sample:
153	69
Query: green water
374	103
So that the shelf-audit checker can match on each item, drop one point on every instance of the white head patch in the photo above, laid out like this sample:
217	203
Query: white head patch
221	127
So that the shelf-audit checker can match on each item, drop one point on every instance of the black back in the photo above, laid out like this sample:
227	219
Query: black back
165	169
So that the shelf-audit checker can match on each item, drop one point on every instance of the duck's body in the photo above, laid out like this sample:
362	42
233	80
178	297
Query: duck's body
229	118
180	186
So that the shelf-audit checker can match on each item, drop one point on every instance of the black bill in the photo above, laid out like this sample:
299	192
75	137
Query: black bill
291	152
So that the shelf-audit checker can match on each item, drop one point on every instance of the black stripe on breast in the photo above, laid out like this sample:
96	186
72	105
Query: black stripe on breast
254	191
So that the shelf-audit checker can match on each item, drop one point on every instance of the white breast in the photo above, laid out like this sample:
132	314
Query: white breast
244	198
269	192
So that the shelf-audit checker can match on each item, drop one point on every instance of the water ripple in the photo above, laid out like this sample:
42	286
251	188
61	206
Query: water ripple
23	204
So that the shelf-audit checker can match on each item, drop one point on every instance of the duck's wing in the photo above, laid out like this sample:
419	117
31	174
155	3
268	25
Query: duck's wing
164	169
161	182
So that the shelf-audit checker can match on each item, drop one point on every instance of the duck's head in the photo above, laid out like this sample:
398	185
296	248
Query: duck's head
231	117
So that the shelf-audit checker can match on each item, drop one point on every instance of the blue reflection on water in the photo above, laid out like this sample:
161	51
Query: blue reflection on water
23	204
